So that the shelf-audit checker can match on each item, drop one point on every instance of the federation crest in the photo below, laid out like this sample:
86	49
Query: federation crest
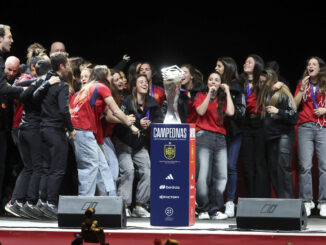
169	151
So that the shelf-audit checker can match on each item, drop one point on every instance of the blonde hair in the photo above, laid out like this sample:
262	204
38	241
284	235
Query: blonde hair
266	90
99	74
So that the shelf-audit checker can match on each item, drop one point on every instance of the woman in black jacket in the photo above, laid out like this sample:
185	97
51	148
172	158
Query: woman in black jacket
228	68
280	117
132	150
191	85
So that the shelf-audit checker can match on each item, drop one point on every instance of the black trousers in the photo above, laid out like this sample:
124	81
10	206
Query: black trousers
279	160
3	153
54	166
28	181
254	161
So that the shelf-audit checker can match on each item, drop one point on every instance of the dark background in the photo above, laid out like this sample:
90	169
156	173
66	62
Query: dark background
166	33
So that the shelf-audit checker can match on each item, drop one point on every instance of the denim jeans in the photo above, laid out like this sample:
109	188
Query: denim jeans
111	158
310	136
92	167
211	171
128	161
233	148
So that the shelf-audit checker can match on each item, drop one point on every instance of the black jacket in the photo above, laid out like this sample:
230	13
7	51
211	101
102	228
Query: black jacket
233	124
283	122
184	100
32	110
124	134
6	93
55	103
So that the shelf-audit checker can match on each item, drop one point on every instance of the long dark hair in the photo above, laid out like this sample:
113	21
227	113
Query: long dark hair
156	76
116	94
258	68
230	74
195	73
134	93
221	97
321	63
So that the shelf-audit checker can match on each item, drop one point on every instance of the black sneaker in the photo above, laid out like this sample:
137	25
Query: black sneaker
15	209
12	209
50	210
29	210
40	207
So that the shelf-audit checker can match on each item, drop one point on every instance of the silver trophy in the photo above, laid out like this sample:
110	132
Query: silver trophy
172	77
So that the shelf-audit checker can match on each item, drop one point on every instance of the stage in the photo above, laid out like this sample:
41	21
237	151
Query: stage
15	231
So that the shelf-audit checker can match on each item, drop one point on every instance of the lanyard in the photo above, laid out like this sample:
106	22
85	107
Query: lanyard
152	91
314	94
147	113
248	89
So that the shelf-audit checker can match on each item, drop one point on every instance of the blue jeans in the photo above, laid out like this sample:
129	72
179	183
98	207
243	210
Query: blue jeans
311	136
233	149
92	167
211	171
111	158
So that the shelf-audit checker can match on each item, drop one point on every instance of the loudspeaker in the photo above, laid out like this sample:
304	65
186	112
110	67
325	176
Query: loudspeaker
271	214
109	211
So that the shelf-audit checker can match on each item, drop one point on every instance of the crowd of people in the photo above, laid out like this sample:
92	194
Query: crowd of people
55	106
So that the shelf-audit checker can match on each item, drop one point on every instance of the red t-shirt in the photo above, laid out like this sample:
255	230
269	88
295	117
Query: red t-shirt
209	121
251	104
307	112
83	108
98	110
107	128
158	94
192	114
18	108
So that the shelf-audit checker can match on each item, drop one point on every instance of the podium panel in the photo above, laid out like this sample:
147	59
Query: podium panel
173	149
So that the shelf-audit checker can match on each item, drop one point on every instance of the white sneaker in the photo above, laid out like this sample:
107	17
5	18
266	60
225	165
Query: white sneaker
128	213
229	209
308	206
140	212
219	215
203	215
322	208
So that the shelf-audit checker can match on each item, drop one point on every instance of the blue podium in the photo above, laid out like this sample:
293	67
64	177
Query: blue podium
173	156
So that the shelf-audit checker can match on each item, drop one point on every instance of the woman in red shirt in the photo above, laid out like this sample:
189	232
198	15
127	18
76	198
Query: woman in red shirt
253	141
311	97
211	153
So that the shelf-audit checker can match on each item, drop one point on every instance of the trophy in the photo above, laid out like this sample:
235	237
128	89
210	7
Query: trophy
172	77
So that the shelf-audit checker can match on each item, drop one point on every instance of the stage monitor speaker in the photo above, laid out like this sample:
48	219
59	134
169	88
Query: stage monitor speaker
109	211
271	214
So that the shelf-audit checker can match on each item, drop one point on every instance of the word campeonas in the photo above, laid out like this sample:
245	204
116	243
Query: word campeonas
171	133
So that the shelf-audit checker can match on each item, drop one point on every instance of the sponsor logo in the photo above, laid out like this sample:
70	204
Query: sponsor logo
169	211
192	133
168	197
169	177
169	151
89	205
170	133
168	187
